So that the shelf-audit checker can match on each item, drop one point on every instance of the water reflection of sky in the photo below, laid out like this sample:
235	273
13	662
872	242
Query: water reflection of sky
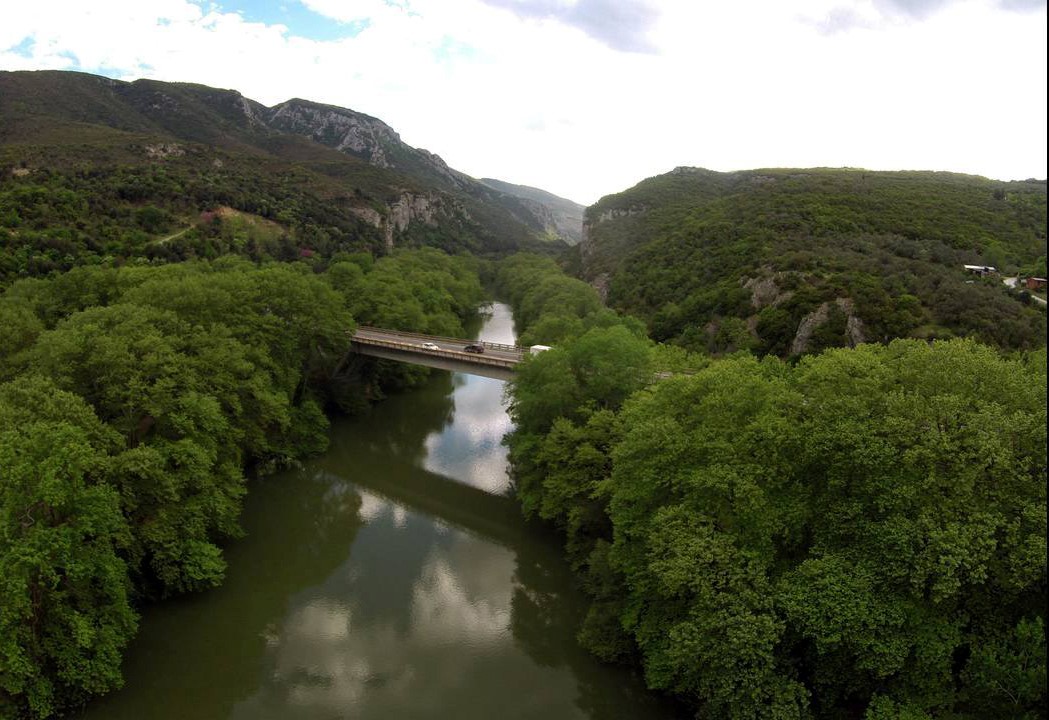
354	647
346	649
470	447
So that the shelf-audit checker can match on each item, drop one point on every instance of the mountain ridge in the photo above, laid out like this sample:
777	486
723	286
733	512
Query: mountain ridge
69	122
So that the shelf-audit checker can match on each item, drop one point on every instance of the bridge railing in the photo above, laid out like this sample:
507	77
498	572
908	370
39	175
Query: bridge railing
420	336
501	346
454	354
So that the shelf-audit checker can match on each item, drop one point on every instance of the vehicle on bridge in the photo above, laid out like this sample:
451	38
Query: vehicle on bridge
430	346
474	348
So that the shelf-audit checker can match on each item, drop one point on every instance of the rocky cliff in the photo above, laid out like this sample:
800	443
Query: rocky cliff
560	217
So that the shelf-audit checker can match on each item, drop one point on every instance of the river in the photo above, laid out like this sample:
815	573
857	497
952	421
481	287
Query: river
391	577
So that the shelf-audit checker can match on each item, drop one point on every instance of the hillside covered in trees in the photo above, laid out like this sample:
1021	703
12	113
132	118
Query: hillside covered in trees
790	261
861	534
95	170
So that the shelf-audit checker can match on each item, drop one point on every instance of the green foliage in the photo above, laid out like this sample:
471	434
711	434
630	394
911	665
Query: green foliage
180	480
423	290
420	290
136	398
64	610
863	533
183	209
694	251
548	306
19	327
1007	670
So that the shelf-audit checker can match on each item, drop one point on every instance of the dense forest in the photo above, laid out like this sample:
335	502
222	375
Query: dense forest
135	401
786	262
859	534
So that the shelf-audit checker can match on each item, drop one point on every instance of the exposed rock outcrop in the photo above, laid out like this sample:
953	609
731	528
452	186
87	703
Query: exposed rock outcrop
363	136
614	213
164	150
400	214
192	119
765	290
407	209
344	130
600	283
811	322
437	164
369	215
557	216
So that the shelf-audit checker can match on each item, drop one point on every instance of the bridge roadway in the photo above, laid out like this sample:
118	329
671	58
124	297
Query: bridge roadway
497	361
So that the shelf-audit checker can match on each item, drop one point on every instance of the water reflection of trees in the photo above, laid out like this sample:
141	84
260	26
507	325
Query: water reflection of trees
397	427
546	613
201	651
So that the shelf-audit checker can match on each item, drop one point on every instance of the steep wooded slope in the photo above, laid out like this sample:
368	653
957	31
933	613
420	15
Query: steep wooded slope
562	218
793	261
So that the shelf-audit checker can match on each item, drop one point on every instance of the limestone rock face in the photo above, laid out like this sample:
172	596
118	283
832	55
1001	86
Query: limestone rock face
408	208
437	165
365	137
344	130
557	216
763	291
369	215
160	151
254	112
400	214
600	283
811	322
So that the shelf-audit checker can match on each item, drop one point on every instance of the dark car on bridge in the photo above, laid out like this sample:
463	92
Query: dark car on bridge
474	348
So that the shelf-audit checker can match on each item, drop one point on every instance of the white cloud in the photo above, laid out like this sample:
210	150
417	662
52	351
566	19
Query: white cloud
883	84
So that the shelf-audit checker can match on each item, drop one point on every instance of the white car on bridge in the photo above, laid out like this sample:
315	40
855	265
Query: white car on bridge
430	346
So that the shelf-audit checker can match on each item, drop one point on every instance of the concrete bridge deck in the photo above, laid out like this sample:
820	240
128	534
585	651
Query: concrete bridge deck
497	361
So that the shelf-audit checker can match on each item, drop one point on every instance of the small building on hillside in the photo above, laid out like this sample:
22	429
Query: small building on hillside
981	270
1033	283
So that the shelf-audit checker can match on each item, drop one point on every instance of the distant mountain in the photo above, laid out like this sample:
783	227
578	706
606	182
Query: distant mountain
792	261
562	218
333	178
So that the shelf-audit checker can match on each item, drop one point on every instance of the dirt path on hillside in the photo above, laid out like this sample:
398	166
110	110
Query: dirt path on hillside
180	233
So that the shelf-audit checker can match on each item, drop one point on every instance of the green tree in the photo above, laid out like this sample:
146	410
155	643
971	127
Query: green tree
64	610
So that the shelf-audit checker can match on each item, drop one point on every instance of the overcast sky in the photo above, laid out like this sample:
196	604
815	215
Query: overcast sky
588	97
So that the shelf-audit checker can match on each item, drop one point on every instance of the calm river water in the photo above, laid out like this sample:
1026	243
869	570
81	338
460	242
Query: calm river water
389	578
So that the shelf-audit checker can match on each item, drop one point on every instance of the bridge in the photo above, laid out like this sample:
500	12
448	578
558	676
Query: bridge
497	361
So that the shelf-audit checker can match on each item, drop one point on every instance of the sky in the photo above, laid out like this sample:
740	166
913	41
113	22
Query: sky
588	97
